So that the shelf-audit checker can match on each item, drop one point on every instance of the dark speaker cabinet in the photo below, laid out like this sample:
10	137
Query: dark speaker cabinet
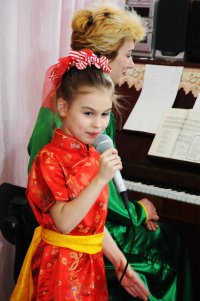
193	34
172	22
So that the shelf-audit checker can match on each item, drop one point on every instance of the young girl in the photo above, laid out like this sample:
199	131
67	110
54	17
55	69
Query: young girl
159	255
68	192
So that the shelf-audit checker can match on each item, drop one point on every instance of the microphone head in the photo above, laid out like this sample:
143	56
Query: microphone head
102	143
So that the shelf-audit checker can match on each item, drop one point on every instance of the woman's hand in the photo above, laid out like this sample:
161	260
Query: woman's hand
151	225
151	210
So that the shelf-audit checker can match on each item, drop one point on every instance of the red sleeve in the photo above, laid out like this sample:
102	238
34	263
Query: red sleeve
47	181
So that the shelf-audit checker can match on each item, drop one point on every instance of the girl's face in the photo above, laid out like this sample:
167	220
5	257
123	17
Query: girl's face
87	116
122	62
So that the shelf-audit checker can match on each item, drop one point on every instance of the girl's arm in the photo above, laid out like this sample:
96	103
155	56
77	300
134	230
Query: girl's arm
67	216
131	281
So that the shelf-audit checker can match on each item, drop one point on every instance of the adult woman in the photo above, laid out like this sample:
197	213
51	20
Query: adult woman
112	32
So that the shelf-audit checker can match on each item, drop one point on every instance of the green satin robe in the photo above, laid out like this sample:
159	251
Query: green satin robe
159	257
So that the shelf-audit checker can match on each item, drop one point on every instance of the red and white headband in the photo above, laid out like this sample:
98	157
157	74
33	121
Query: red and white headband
81	60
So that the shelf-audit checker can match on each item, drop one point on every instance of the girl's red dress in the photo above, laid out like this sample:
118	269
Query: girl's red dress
60	172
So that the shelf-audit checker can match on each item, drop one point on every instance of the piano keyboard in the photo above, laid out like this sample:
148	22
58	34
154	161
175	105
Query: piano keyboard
163	192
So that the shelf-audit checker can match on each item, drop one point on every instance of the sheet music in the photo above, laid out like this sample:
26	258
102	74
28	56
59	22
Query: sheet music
196	106
159	91
178	136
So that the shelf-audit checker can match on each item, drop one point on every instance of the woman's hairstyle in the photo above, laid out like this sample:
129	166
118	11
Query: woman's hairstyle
104	29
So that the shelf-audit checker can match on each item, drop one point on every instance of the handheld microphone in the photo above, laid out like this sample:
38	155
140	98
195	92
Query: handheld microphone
102	143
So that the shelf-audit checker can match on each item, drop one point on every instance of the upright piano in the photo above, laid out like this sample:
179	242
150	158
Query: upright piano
174	187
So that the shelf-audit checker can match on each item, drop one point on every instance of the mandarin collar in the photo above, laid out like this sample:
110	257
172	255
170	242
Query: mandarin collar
68	142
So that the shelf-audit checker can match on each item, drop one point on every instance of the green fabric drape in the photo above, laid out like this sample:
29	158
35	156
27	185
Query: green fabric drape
160	257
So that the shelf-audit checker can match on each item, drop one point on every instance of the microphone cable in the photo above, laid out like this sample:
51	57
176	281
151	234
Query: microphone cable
126	202
102	143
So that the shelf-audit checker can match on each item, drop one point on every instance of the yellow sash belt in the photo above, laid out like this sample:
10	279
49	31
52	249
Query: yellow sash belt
90	244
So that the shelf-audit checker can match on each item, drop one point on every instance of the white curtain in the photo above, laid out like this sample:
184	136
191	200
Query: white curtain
34	33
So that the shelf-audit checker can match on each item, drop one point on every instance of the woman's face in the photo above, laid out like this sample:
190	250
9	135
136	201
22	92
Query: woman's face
122	62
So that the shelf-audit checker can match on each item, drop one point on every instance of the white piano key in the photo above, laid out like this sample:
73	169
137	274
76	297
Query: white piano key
182	196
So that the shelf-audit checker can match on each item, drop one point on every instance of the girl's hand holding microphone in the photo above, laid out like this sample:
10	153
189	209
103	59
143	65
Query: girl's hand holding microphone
109	163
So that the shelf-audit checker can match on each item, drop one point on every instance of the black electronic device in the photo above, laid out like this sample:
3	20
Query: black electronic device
172	23
193	34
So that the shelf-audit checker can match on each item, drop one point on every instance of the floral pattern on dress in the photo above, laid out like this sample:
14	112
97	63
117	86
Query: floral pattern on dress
60	172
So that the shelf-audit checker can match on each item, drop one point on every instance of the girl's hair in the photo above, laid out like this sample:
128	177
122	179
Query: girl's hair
104	29
75	82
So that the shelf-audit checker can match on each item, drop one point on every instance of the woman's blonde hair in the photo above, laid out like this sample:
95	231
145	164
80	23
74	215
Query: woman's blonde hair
104	29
